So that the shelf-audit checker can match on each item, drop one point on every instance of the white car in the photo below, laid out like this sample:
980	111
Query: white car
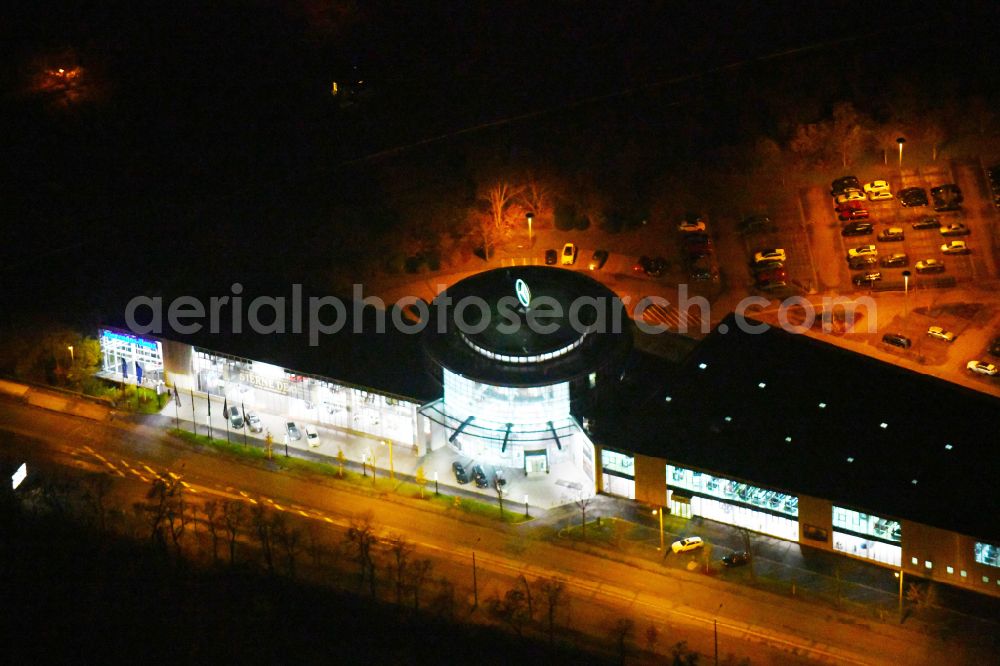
691	225
981	368
851	195
940	334
684	545
569	254
863	251
955	247
877	186
312	437
770	254
879	195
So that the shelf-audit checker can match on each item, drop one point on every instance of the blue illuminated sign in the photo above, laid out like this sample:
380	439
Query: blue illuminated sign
128	339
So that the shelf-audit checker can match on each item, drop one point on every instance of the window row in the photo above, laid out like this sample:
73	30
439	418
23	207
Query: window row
864	523
729	489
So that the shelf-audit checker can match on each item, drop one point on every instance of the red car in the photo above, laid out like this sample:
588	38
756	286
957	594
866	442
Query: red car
774	277
853	214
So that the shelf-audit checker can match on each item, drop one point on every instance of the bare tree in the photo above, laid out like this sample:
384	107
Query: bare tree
418	573
683	655
421	479
553	594
232	519
512	610
361	537
212	517
583	502
499	489
314	545
96	494
443	603
652	637
846	132
177	517
621	632
260	518
163	510
748	547
290	538
401	549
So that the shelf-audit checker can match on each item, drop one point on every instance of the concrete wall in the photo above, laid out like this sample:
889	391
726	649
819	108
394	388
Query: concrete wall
650	480
814	515
942	549
177	364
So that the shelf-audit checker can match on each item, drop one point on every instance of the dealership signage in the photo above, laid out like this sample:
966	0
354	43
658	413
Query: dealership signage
20	475
266	383
523	292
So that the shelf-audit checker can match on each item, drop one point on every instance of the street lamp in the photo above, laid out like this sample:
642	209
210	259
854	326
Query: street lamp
526	507
392	470
906	294
659	512
531	217
900	141
72	358
715	631
899	575
436	483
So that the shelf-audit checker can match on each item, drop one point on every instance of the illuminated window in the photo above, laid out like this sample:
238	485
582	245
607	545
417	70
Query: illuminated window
928	564
988	554
962	573
913	560
868	525
950	569
986	579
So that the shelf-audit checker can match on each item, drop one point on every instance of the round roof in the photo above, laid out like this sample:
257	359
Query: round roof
527	326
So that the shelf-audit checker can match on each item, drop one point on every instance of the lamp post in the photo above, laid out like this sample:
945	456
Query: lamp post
530	217
899	575
906	294
392	470
900	141
659	512
526	507
72	358
436	484
715	631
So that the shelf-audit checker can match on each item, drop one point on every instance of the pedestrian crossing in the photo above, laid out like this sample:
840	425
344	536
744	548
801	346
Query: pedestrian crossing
673	319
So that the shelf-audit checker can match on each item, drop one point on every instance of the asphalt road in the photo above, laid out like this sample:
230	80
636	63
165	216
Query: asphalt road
764	627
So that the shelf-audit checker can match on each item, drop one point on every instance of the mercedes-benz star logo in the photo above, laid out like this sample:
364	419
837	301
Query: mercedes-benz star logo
523	292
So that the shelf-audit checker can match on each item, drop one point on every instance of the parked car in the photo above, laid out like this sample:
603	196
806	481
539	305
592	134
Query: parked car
930	266
598	260
862	262
736	559
698	244
479	476
684	545
569	253
926	223
499	478
891	235
867	279
876	186
880	195
912	197
460	474
995	347
292	431
894	260
253	422
551	257
769	254
691	222
843	184
897	340
850	195
862	251
235	418
853	214
955	229
956	247
312	436
653	267
981	368
771	278
703	268
940	334
756	223
857	229
947	197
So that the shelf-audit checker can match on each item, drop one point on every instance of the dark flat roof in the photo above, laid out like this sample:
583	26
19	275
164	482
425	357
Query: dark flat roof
788	412
585	327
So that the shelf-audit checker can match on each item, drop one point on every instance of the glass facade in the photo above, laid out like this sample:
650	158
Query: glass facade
618	463
123	354
988	554
867	536
273	389
732	491
502	404
732	502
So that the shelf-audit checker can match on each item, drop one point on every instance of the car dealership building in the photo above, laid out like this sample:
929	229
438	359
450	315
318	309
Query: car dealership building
762	429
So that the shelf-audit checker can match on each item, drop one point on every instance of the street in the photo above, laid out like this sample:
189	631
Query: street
765	627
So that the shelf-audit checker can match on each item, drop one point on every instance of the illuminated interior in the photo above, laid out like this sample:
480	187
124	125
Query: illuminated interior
503	404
